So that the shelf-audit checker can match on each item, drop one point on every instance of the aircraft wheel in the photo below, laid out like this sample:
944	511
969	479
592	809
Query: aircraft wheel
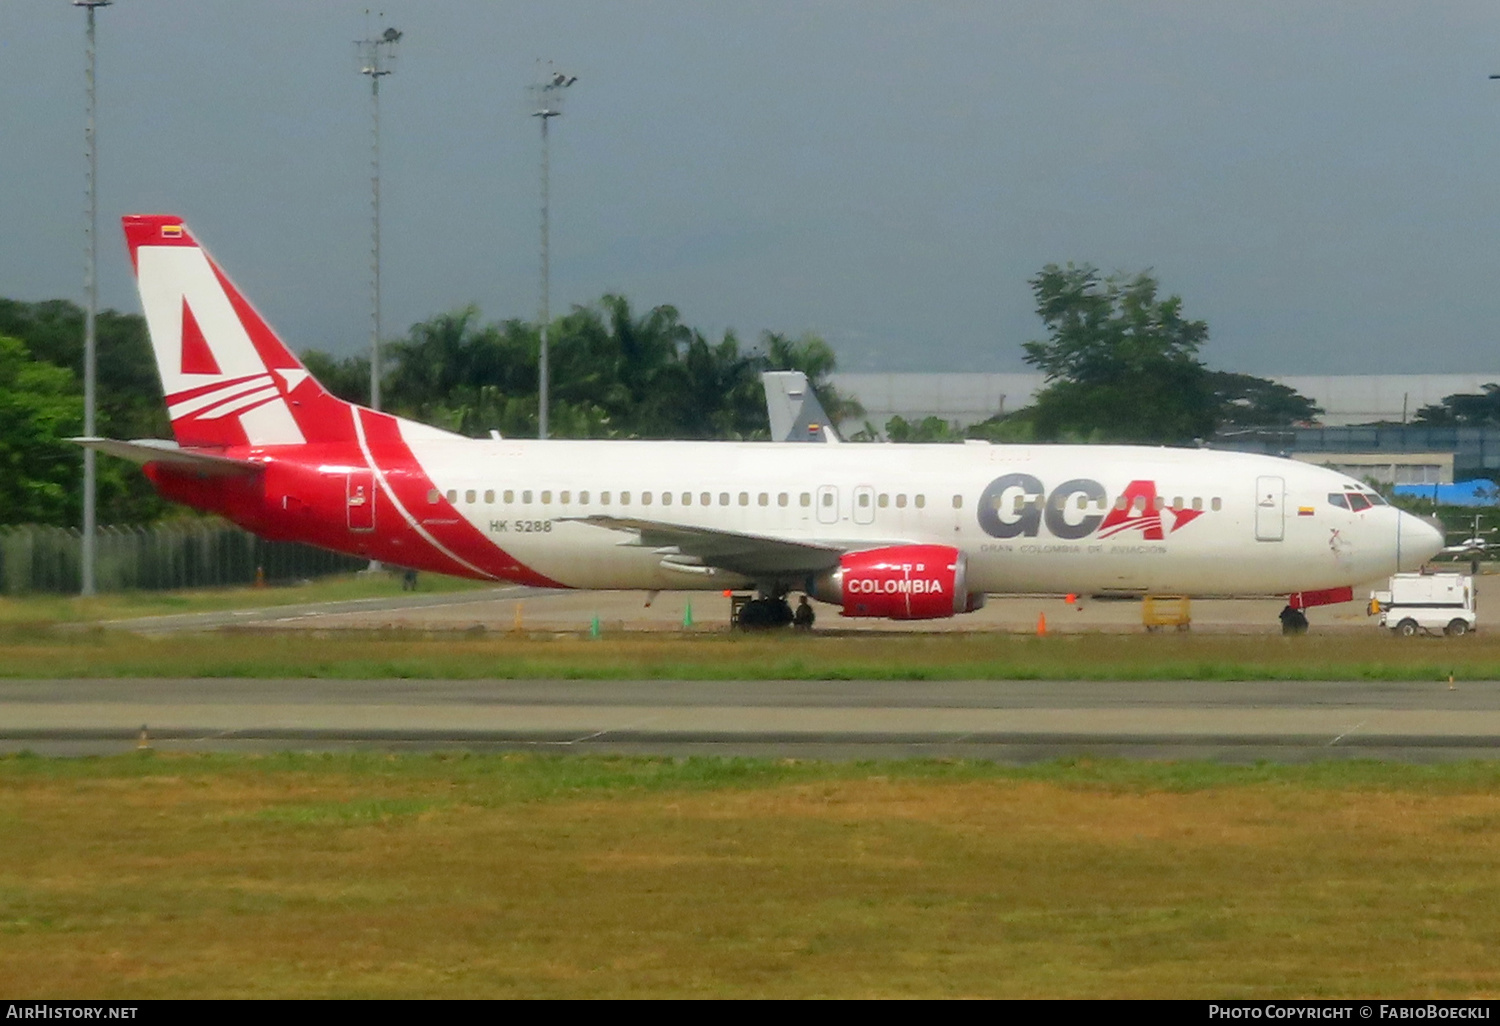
759	614
1457	629
782	612
1407	628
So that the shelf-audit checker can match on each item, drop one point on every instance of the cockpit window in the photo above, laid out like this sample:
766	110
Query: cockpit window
1375	499
1337	499
1358	502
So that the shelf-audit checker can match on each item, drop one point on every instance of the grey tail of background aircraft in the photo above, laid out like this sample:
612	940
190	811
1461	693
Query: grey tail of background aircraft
794	410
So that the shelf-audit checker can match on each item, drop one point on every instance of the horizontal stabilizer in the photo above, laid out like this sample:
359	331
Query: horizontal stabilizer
157	450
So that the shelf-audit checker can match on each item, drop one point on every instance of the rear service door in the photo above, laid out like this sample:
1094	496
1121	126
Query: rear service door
1270	504
359	500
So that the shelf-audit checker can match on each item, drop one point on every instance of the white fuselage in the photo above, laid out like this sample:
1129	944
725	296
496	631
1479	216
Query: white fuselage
1250	524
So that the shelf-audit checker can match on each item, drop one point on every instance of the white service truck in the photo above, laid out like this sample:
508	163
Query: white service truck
1426	602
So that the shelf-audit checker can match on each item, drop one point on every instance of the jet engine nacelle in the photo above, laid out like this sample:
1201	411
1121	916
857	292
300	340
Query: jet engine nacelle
901	582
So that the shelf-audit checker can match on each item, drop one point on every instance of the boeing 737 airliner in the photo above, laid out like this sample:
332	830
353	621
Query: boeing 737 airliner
898	531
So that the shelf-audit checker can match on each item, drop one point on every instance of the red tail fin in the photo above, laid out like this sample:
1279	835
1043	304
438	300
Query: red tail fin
228	380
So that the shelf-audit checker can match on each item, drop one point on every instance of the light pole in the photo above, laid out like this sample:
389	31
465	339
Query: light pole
547	95
91	303
377	58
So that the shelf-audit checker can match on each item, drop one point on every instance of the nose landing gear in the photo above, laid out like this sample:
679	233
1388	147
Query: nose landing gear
1293	621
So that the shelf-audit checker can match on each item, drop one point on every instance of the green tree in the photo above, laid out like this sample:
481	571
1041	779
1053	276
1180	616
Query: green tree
129	398
929	429
1121	362
1245	401
40	474
1464	409
348	378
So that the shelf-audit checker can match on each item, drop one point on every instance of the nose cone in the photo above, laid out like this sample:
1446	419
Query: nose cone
1419	541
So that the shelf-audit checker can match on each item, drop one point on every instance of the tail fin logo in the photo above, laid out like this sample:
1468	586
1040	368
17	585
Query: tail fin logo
223	386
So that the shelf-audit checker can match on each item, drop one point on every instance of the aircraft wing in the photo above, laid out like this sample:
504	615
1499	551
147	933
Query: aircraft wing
794	410
158	450
748	554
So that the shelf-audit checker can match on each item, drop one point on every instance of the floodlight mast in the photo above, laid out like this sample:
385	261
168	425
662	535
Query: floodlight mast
547	96
377	59
88	555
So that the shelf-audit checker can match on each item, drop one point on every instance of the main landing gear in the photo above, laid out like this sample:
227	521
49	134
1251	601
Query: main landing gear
761	613
1293	621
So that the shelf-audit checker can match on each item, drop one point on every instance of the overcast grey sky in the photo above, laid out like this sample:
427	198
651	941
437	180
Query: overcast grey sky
1319	181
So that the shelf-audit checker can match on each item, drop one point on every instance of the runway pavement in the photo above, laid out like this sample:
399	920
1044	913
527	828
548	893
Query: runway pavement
1004	720
561	611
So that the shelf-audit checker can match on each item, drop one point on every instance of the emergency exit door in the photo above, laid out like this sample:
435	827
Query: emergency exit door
359	500
1270	508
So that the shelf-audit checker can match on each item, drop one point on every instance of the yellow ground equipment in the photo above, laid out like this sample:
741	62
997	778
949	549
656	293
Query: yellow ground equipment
1158	611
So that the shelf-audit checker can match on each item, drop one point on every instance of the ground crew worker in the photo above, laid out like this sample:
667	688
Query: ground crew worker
804	617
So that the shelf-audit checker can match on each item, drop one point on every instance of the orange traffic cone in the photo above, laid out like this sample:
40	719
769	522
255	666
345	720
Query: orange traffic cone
1041	625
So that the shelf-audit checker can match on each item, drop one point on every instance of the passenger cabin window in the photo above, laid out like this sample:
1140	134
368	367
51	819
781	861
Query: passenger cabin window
433	495
469	495
901	502
862	500
489	496
885	500
624	498
1198	503
583	498
744	498
782	499
763	499
707	499
1217	504
452	495
805	499
1119	503
958	502
645	498
723	498
564	497
604	498
547	498
687	498
827	498
666	498
921	501
526	496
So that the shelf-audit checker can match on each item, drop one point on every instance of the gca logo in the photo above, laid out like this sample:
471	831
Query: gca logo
1017	505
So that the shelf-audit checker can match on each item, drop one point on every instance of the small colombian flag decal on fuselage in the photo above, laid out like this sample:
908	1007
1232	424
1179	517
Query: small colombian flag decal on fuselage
1304	511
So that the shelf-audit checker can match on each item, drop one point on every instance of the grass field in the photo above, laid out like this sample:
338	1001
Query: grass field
498	876
40	610
48	652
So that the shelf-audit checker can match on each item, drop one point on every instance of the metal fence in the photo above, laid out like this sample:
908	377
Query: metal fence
186	555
